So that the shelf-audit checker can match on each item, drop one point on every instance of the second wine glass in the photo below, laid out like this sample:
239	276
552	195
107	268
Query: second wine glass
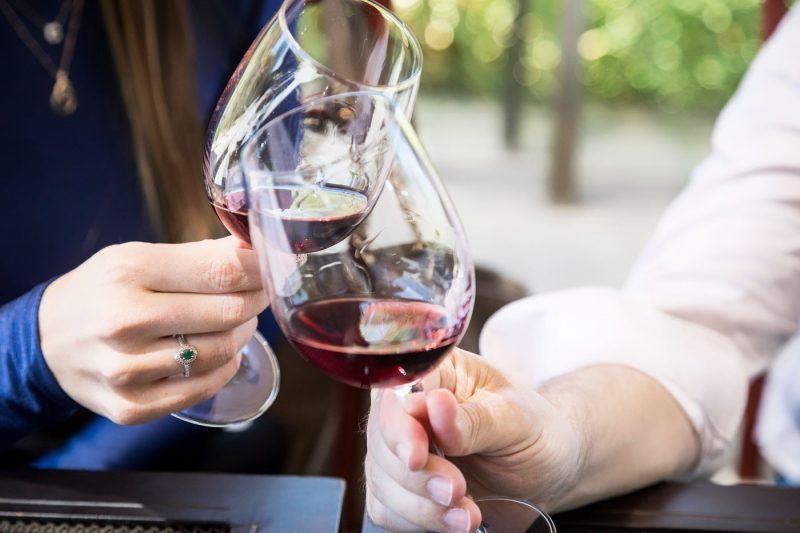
382	303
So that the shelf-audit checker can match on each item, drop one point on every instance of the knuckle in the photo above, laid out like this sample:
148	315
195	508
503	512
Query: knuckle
224	275
377	512
206	392
116	325
224	349
120	375
231	369
119	262
203	392
127	413
250	329
372	478
369	470
234	309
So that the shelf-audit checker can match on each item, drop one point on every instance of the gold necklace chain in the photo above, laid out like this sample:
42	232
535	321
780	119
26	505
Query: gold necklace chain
63	99
53	30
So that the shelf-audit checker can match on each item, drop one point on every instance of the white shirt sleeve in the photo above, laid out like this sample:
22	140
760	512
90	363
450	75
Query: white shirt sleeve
716	293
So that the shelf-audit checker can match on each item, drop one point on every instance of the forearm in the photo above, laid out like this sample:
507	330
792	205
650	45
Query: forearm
631	430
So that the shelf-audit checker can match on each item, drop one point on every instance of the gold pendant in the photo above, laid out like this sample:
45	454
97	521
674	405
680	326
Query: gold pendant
53	32
63	99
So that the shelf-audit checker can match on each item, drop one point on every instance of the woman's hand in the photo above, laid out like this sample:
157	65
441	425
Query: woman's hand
107	327
500	438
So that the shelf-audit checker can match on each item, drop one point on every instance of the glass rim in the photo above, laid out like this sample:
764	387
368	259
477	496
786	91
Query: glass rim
495	498
248	146
386	13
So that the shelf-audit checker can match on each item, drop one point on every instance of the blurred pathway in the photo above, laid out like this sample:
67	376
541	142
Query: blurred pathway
631	163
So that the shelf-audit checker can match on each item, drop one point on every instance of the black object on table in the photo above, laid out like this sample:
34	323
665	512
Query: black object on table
72	501
684	507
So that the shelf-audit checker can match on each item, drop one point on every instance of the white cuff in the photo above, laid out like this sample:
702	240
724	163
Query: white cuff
551	334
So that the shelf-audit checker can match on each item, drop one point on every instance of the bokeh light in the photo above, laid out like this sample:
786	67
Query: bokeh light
681	54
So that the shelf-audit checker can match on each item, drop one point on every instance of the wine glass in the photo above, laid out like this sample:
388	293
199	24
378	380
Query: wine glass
311	48
385	286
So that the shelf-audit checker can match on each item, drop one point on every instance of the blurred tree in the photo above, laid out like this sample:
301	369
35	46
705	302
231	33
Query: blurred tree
679	54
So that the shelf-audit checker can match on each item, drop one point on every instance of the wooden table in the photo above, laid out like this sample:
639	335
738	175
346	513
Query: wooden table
693	507
168	502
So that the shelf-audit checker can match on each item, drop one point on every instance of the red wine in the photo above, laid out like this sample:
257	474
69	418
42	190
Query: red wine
235	221
233	215
369	342
315	218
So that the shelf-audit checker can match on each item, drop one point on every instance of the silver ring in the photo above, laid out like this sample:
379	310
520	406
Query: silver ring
185	355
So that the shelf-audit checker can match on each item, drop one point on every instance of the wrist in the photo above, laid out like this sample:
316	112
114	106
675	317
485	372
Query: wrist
570	430
628	429
49	321
41	374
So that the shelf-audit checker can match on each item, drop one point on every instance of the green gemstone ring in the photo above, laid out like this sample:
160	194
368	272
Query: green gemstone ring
185	355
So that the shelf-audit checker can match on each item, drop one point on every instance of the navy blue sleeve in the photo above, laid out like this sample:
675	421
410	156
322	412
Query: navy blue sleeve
30	397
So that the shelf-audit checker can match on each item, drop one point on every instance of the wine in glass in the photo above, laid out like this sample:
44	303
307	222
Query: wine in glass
383	302
311	48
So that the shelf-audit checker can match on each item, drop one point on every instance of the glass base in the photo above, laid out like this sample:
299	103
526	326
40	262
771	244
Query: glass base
247	396
507	515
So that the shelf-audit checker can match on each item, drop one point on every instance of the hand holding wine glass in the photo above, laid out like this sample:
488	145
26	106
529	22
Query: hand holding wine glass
113	351
390	294
499	437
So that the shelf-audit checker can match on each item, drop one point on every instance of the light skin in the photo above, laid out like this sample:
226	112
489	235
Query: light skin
586	435
106	328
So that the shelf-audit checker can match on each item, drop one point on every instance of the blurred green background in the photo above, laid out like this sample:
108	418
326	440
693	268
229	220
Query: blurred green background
678	54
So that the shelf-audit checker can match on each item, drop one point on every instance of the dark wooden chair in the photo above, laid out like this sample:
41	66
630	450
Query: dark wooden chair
750	459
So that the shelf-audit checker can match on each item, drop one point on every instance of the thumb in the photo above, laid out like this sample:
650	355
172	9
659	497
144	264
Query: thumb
464	428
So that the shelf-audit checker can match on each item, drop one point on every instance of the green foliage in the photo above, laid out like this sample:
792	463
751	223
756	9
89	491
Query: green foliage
680	54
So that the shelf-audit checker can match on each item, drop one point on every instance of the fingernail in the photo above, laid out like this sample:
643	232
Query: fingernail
440	489
403	451
457	520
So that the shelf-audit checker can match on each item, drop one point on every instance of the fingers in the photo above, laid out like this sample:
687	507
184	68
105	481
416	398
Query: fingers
147	402
213	351
116	356
401	433
458	427
409	462
385	518
476	411
196	313
408	488
394	507
207	267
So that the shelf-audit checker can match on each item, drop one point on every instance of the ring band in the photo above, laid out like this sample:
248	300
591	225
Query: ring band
185	355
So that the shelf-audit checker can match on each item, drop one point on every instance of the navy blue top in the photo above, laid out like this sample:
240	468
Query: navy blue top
71	184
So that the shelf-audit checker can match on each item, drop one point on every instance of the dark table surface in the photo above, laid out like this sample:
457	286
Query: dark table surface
690	507
217	502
